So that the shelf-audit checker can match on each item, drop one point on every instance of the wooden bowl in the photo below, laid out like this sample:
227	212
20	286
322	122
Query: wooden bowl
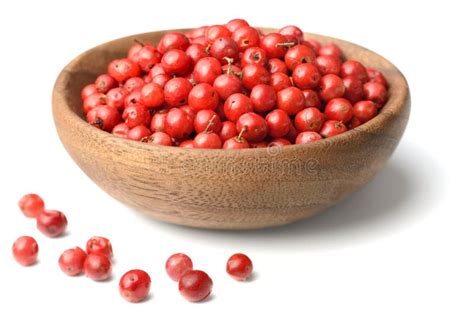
227	189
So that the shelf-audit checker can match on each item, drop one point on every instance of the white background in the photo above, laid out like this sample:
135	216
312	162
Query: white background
400	246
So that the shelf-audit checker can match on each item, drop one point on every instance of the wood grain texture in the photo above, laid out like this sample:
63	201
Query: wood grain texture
219	189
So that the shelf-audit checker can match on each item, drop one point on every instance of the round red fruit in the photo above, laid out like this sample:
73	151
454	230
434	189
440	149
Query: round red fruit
25	250
72	260
176	62
135	285
178	124
177	265
278	123
195	285
339	109
291	100
31	205
51	223
239	267
253	125
330	87
306	76
203	97
364	111
122	69
332	128
307	137
97	267
309	119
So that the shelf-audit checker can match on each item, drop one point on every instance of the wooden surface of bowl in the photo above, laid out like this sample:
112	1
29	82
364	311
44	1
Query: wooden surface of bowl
227	189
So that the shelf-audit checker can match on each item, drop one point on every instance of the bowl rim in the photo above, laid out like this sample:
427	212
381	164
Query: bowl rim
393	106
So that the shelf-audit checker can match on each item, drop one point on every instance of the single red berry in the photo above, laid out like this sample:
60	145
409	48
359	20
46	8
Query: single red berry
307	137
253	75
330	49
253	125
152	95
157	123
237	142
136	114
176	91
274	45
354	91
177	265
216	31
376	76
339	109
139	133
263	98
97	267
178	124
291	100
116	98
133	83
245	37
157	70
187	144
228	131
161	80
280	81
311	99
330	87
207	119
306	76
51	223
25	250
31	205
196	52
104	83
195	285
227	84
132	98
332	128
277	65
354	68
254	55
160	138
99	245
135	285
104	117
235	24
121	130
375	92
328	64
364	111
309	119
299	54
72	260
176	62
147	57
239	267
278	123
173	40
206	70
236	105
88	90
92	101
207	140
203	97
122	69
293	32
223	49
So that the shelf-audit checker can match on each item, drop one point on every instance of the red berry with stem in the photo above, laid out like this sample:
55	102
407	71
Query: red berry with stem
307	137
364	111
275	65
195	285
136	114
121	130
275	45
139	133
291	100
178	124
332	128
246	37
177	265
253	75
92	101
306	76
97	267
104	83
31	205
147	57
122	69
135	285
196	52
330	49
376	76
133	83
160	138
152	95
217	31
354	68
375	92
263	98
236	105
51	223
309	119
173	40
104	117
176	62
339	109
176	91
239	267
280	81
328	65
234	24
254	55
311	99
299	54
226	85
330	87
88	90
254	126
72	260
206	70
354	91
207	119
237	142
25	250
224	48
278	123
116	98
203	97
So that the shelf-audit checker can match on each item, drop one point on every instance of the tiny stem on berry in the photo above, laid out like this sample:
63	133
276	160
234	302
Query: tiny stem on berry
242	131
211	122
285	44
136	40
